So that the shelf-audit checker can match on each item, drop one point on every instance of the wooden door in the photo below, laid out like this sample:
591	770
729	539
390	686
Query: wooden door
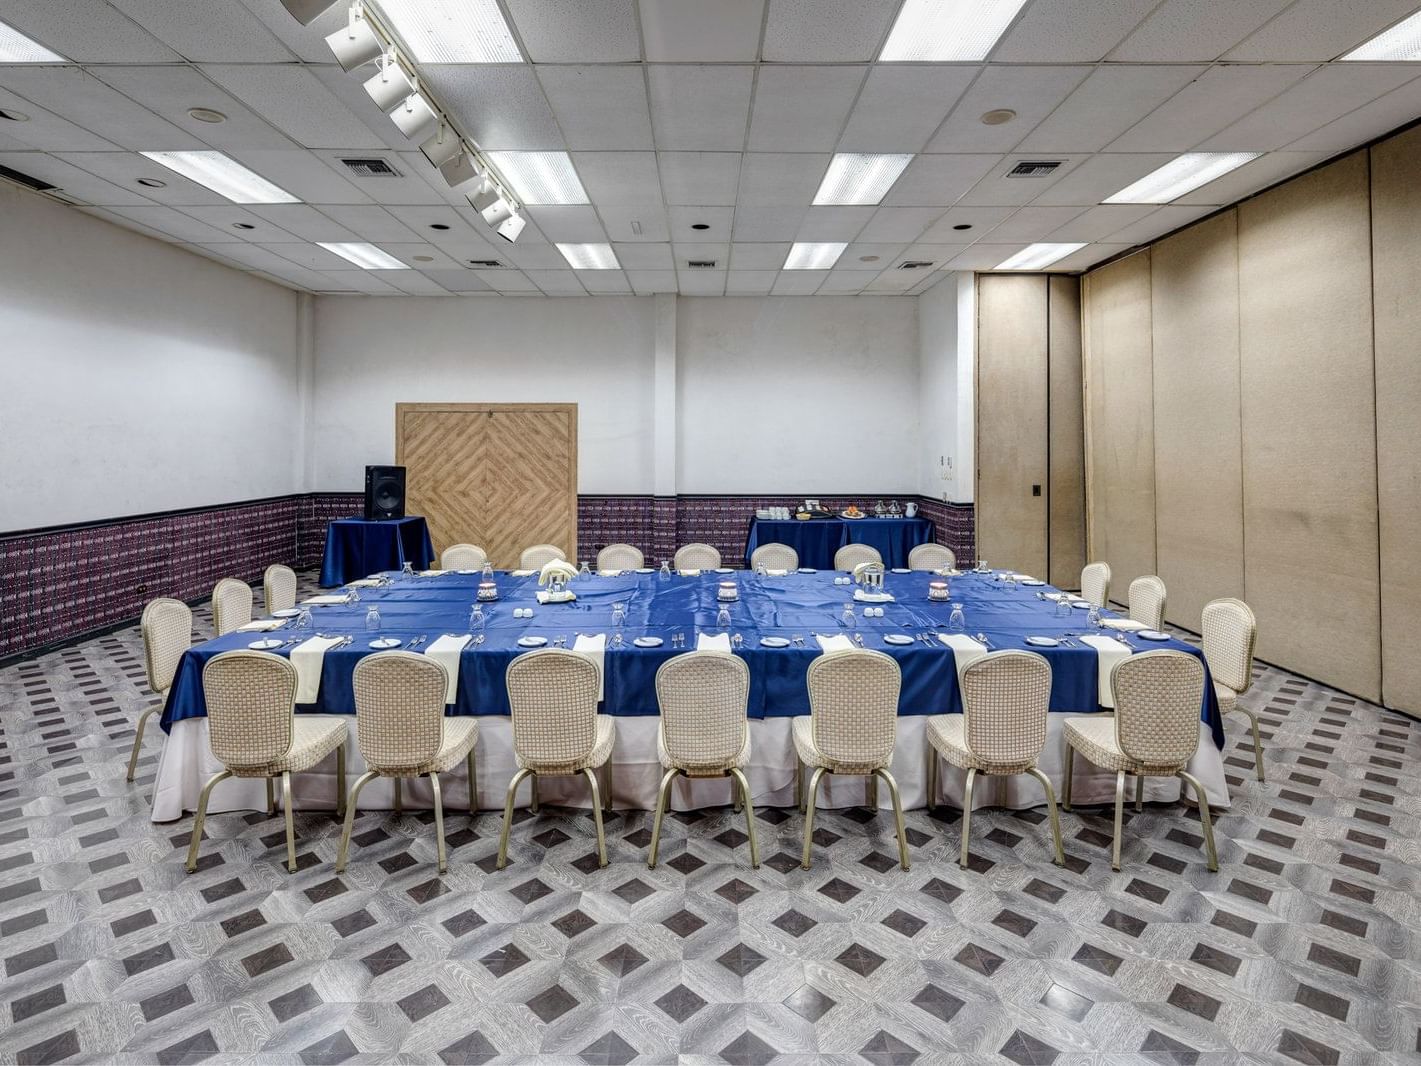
502	476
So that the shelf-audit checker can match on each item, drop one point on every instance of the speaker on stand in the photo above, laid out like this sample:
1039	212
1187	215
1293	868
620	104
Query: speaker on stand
384	492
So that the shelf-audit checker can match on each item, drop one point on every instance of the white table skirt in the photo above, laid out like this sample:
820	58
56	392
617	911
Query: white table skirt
186	764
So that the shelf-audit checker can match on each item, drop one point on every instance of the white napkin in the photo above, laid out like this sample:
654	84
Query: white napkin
523	573
307	657
262	625
445	651
1109	651
546	596
364	583
1127	624
689	573
775	573
948	571
327	600
873	597
608	573
712	641
1059	596
837	642
965	650
1022	577
432	573
595	648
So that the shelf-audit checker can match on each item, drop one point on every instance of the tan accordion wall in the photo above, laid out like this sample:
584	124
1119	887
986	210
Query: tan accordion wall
1067	433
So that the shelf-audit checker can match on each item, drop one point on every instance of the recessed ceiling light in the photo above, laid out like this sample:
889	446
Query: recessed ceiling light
1180	175
944	31
13	116
853	178
540	177
15	47
224	176
868	259
153	183
814	255
1401	42
365	256
963	225
242	225
423	258
206	114
998	117
589	256
438	225
700	225
1038	256
452	31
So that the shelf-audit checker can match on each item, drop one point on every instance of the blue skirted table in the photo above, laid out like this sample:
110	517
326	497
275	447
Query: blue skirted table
356	548
817	539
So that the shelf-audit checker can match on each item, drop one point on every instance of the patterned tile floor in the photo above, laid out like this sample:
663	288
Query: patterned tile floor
1306	946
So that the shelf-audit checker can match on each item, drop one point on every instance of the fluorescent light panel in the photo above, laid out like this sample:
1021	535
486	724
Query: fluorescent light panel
1039	256
1401	42
814	255
590	256
1179	176
365	256
15	47
452	31
540	177
860	179
945	31
224	176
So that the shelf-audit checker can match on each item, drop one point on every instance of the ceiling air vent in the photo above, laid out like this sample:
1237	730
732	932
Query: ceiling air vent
914	264
701	264
25	180
370	168
1033	168
486	264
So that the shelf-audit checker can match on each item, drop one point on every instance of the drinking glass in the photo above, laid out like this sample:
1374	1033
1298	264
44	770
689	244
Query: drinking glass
303	620
1092	617
352	596
486	574
407	570
665	568
737	641
848	619
957	621
722	617
619	615
476	620
982	566
1063	609
372	619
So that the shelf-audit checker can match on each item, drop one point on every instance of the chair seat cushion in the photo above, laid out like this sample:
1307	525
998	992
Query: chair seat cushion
702	767
460	736
312	740
947	733
811	756
1094	737
600	752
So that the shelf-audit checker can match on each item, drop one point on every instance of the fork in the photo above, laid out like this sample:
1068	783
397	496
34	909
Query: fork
858	639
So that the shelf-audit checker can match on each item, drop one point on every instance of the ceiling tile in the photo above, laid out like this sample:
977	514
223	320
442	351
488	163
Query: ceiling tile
757	256
350	91
768	223
1088	256
1251	177
1099	222
1098	177
311	256
170	91
228	217
501	106
296	102
701	282
854	255
645	257
123	169
1032	92
700	108
844	282
647	282
683	218
73	181
107	214
937	254
206	32
304	222
901	106
686	251
507	280
535	257
802	109
457	280
87	102
366	281
636	223
86	31
1194	30
47	131
1162	220
827	31
412	282
998	190
1320	30
423	257
577	31
690	31
983	256
939	180
563	223
604	281
306	42
619	179
1382	115
421	220
1031	224
833	223
557	282
1221	95
750	282
176	226
780	179
798	282
407	188
699	177
892	225
599	107
1107	103
370	223
1068	31
980	219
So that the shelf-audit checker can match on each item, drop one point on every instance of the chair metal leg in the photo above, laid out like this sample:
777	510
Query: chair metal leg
799	784
749	817
1070	772
597	815
290	822
340	781
138	737
810	800
897	814
533	793
967	816
201	816
604	782
931	803
871	793
734	797
399	799
1205	820
1119	818
439	823
1257	741
270	797
473	785
1051	808
508	815
343	855
1139	792
663	796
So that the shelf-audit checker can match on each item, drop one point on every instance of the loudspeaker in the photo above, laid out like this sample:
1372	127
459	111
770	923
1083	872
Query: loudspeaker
384	492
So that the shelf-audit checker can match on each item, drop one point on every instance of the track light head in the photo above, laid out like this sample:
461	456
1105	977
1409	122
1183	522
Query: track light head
390	84
443	146
511	227
415	118
356	43
461	171
308	11
496	213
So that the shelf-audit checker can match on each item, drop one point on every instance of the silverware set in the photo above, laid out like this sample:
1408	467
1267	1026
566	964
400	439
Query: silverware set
418	641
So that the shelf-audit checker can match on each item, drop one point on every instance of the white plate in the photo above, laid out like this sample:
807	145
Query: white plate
774	642
645	570
1083	604
897	638
1043	642
724	570
532	642
901	570
382	643
1033	582
648	642
265	644
286	612
1151	634
808	570
468	571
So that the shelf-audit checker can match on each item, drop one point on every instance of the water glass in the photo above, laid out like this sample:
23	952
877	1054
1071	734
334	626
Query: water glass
476	620
303	620
619	615
372	619
584	570
352	596
957	621
1092	617
665	568
1063	609
848	619
722	617
407	570
982	567
737	641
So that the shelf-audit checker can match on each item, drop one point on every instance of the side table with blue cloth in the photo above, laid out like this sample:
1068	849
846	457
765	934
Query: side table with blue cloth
356	548
817	539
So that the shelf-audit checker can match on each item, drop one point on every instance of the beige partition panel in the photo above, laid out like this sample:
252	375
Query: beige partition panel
1198	443
1067	432
1011	421
1309	426
1396	282
1120	465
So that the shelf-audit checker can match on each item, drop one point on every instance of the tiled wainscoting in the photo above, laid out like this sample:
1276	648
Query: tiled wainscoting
56	584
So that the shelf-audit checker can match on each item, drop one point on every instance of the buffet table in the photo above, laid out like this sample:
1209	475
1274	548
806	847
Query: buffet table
817	539
356	547
797	607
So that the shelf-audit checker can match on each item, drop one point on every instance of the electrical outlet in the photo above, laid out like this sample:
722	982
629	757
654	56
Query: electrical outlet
141	590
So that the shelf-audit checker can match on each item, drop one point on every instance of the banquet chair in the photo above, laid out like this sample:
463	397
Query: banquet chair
167	633
231	605
704	731
402	731
1230	633
254	731
620	557
850	555
539	555
1153	733
1006	697
851	729
696	557
279	588
557	732
932	557
462	557
1095	584
774	557
1147	597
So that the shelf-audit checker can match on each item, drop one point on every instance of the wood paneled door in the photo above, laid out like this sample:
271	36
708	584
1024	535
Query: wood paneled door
500	475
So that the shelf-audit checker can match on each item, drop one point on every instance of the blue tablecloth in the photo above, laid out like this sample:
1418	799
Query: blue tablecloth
799	604
817	539
356	548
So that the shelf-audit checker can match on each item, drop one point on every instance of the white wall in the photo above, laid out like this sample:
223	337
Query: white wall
135	377
946	347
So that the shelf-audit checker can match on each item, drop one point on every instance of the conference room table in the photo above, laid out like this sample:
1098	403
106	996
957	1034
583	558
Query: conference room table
816	540
798	607
356	547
